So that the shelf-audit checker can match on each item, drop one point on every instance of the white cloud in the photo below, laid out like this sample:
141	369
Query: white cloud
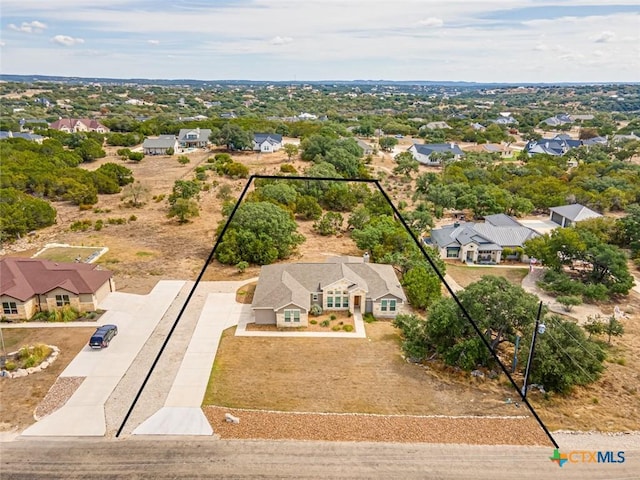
603	37
66	40
2	44
153	42
278	40
431	22
28	27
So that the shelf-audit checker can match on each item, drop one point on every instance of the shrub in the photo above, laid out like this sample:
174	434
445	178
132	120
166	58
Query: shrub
595	292
183	160
133	218
98	226
315	310
80	226
569	301
116	221
10	365
33	355
332	317
313	322
288	168
336	328
324	323
348	328
369	318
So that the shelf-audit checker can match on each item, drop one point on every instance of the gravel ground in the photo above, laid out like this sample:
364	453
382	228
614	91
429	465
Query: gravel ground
376	428
57	396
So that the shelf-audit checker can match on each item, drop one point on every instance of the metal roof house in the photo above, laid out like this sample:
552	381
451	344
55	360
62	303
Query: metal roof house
422	153
194	137
267	142
160	145
30	285
481	242
567	215
286	292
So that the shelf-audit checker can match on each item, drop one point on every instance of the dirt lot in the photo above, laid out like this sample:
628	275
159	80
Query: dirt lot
19	397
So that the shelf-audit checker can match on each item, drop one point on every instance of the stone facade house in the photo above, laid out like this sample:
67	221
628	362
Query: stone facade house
31	285
74	125
286	292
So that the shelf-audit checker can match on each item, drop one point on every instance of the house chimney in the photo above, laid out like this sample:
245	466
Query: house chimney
365	257
452	145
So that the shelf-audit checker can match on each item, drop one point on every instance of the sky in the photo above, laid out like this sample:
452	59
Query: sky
511	41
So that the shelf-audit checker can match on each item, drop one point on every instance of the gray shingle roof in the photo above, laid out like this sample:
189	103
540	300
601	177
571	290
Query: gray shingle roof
487	235
282	284
428	149
163	141
201	133
575	212
272	138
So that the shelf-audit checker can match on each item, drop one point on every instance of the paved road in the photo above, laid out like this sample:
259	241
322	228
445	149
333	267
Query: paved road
165	457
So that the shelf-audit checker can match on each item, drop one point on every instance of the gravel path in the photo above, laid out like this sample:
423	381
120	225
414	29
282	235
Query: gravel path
155	393
57	396
376	428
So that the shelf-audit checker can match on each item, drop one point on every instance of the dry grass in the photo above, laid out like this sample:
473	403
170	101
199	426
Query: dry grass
465	275
344	375
246	292
19	397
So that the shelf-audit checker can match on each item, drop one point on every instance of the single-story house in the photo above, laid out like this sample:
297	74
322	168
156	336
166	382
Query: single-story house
437	125
567	215
160	145
422	153
194	137
503	149
73	125
366	148
286	292
267	142
556	146
558	120
481	242
32	137
31	285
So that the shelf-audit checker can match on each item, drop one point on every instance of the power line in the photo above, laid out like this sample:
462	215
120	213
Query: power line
559	324
572	359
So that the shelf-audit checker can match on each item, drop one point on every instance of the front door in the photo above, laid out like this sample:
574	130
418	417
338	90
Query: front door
356	302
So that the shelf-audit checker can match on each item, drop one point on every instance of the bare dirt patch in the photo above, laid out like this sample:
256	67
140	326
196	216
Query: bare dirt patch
376	428
19	397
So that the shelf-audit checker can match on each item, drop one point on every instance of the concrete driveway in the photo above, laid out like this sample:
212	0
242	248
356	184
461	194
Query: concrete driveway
136	317
181	413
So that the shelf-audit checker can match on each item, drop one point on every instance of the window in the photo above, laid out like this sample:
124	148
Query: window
62	300
345	302
9	308
314	297
453	252
292	316
388	305
329	302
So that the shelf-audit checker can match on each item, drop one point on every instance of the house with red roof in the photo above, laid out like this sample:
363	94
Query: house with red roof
74	125
31	285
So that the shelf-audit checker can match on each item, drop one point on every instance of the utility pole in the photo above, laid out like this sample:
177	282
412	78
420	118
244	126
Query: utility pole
539	328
